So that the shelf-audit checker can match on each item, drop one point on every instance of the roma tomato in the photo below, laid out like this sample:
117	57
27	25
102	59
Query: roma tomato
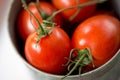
27	23
83	13
50	53
100	33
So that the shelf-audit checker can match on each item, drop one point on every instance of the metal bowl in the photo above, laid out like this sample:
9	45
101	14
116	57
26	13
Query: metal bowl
91	75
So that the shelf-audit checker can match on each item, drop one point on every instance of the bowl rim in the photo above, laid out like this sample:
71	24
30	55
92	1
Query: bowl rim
84	74
54	75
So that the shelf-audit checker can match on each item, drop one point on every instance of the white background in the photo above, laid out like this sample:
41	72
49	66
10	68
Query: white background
11	65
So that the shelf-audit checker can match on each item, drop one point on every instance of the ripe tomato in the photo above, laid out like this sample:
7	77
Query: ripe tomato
48	9
26	22
100	33
25	26
49	54
83	14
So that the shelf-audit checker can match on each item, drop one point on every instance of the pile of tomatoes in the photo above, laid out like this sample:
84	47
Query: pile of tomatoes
47	47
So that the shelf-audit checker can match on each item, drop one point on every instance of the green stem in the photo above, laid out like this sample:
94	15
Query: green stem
76	65
32	23
76	13
40	26
69	59
38	7
83	58
77	6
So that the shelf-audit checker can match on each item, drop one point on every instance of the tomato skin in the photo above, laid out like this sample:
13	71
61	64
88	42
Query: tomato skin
50	53
25	25
101	34
48	8
83	14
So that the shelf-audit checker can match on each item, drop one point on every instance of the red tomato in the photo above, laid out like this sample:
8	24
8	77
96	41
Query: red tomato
25	27
48	8
101	34
49	55
83	14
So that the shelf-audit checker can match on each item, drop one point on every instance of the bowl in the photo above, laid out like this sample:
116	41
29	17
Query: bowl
18	46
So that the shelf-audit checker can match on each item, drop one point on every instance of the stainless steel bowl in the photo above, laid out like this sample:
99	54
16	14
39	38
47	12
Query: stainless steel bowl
91	75
116	6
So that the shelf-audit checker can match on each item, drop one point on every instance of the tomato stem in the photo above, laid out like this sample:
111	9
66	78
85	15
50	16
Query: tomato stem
84	58
77	6
38	5
76	13
42	29
41	12
40	26
75	66
32	23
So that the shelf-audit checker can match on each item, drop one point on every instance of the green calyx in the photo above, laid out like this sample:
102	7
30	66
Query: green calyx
42	13
43	27
46	31
83	58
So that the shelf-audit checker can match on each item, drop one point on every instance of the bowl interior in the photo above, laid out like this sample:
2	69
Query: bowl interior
19	44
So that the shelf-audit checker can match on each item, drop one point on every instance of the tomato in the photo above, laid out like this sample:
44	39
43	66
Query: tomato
48	9
50	53
26	22
26	26
83	14
100	33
